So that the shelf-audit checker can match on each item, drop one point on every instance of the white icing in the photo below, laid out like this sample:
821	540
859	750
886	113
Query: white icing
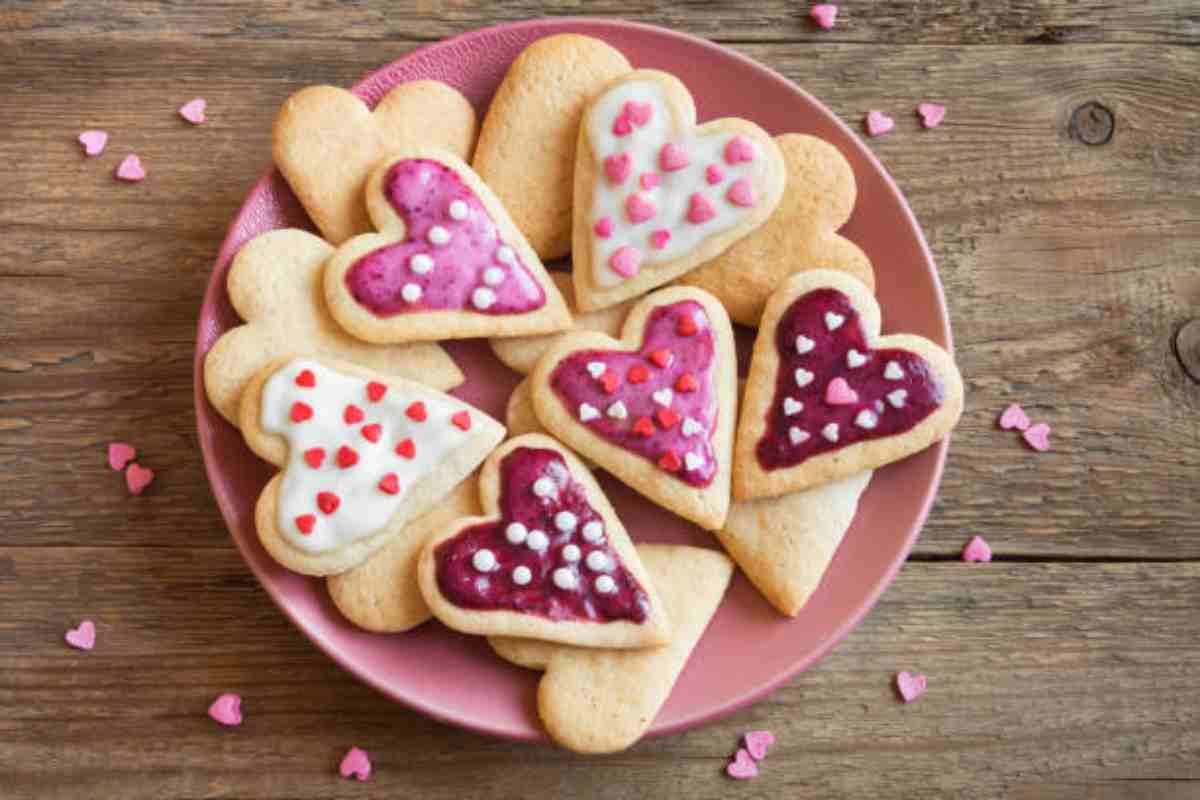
565	521
598	561
692	461
571	553
515	532
459	210
484	560
664	397
493	276
866	419
482	298
892	371
830	432
522	575
804	345
833	321
438	235
855	359
421	263
792	406
543	487
803	377
605	584
617	410
565	579
691	427
588	412
594	531
796	435
596	368
364	508
897	398
410	292
537	541
673	193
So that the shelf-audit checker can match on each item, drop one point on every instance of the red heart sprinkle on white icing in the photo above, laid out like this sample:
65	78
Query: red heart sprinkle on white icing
879	123
193	111
639	207
757	743
1038	437
626	261
137	478
617	167
742	767
376	391
227	709
1014	417
603	227
82	637
659	238
120	454
824	14
131	169
741	193
649	180
700	209
910	686
714	174
932	114
977	550
355	763
740	149
93	142
673	157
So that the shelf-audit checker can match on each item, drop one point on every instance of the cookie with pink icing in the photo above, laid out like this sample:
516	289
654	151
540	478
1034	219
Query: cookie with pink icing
656	195
549	559
361	455
828	397
447	262
655	408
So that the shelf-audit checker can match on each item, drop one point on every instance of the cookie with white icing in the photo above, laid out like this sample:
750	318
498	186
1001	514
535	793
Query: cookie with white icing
361	455
656	195
548	560
447	262
827	397
656	408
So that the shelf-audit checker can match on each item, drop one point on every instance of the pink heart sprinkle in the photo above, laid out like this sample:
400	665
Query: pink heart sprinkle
355	763
193	111
639	208
742	767
879	123
622	126
649	180
120	454
932	114
659	239
757	743
137	478
714	174
740	149
603	227
1038	437
83	637
131	169
824	14
977	550
638	113
910	686
626	261
1014	417
839	393
227	709
700	209
742	193
93	142
673	157
616	167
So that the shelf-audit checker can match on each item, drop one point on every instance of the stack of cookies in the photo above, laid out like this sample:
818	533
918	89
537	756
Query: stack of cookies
412	502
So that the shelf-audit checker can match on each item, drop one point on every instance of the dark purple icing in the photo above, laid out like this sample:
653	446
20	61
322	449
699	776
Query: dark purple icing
692	354
421	192
464	585
827	361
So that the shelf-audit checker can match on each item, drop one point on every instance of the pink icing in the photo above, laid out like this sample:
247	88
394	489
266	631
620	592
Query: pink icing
603	227
626	261
639	207
740	149
669	352
700	209
742	193
673	157
422	191
649	180
617	167
714	174
659	238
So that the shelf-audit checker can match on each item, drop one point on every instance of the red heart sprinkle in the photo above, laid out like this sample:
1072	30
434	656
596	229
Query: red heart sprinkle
390	483
346	457
666	418
372	432
462	419
661	358
305	523
644	427
686	383
306	379
416	412
328	502
687	326
315	456
353	414
300	412
375	391
638	374
610	381
406	449
670	462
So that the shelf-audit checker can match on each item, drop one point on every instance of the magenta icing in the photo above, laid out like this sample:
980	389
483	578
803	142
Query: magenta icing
421	191
463	584
827	360
691	354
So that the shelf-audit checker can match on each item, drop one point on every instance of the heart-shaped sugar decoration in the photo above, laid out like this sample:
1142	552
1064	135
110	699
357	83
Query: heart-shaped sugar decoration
742	767
83	636
193	111
1014	417
120	454
825	15
137	478
356	763
130	169
758	742
977	550
227	709
932	114
910	686
879	123
1038	437
93	142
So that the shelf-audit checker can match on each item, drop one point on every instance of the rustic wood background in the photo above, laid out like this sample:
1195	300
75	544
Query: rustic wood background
1061	198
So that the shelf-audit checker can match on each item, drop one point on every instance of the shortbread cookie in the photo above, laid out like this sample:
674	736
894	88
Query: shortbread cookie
549	560
784	544
800	235
520	353
656	408
275	285
828	397
519	416
657	196
382	594
526	149
362	455
326	141
601	701
448	263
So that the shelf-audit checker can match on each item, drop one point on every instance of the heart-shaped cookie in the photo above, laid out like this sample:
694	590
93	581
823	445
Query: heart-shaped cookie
448	262
326	141
550	560
655	195
655	408
800	235
362	455
828	397
275	285
601	701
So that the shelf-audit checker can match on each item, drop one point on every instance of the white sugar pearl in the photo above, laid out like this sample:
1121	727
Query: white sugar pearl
879	407
792	407
605	584
522	575
664	397
571	553
438	235
830	432
505	255
597	561
482	298
493	276
458	210
588	412
855	359
617	410
690	427
804	345
484	560
565	579
420	263
833	321
537	541
897	398
411	293
892	371
516	532
803	377
593	531
797	436
693	462
543	487
866	419
565	521
596	368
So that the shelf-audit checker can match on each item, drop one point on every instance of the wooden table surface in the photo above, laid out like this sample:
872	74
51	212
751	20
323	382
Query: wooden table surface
1061	199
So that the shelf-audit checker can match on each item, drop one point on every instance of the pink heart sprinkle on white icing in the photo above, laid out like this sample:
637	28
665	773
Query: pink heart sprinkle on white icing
622	126
839	393
616	167
910	686
137	478
879	123
673	157
742	193
193	111
120	454
977	550
757	743
700	209
1014	417
649	180
638	113
742	767
824	14
740	149
227	709
660	238
82	637
639	207
932	114
131	169
714	174
626	261
603	227
355	763
1038	437
93	142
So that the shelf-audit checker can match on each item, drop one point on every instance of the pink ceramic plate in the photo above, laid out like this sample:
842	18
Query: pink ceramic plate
749	649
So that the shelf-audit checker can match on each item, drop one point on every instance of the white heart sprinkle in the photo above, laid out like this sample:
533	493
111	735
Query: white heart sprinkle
692	461
897	398
588	412
892	371
830	432
855	359
796	435
866	419
605	584
515	532
690	427
804	345
565	579
505	255
803	377
593	531
596	368
522	575
663	397
411	293
833	321
459	210
493	276
438	235
483	298
792	406
617	410
420	263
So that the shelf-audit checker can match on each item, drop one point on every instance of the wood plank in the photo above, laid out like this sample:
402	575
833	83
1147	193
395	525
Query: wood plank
1077	676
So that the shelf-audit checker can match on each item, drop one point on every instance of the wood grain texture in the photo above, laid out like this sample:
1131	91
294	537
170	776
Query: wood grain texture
1068	269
